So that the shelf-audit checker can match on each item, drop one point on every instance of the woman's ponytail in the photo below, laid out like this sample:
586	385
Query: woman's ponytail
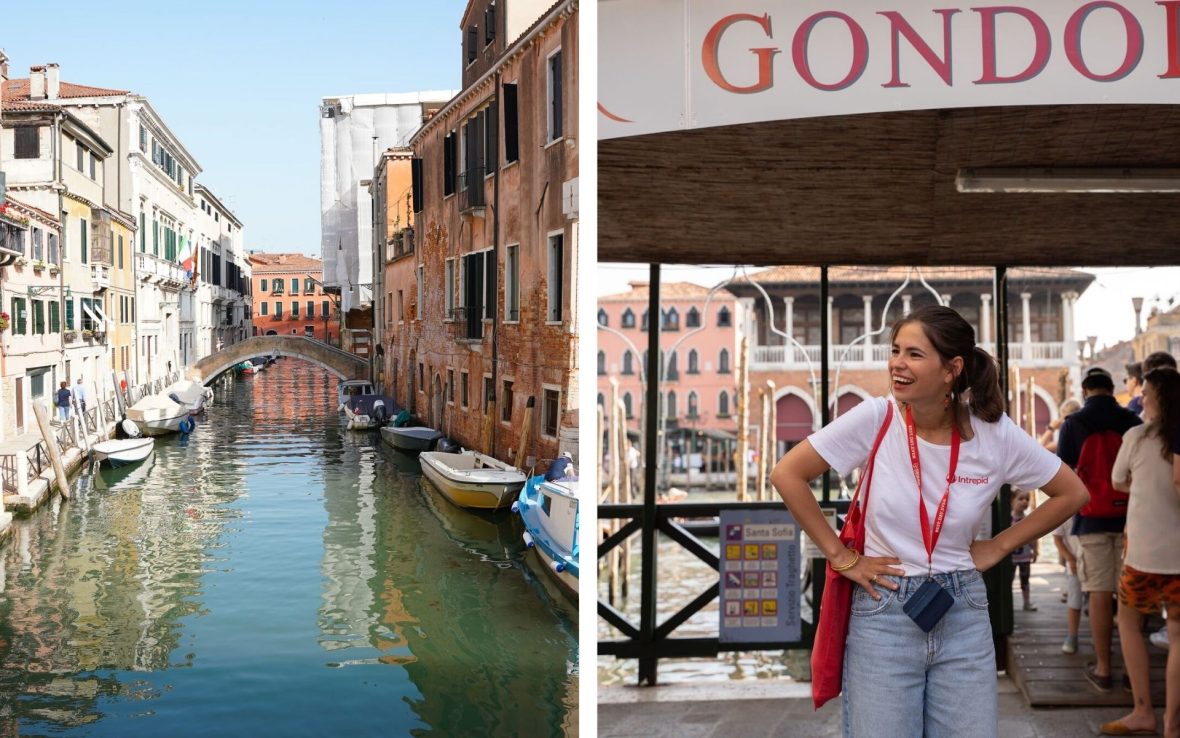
985	397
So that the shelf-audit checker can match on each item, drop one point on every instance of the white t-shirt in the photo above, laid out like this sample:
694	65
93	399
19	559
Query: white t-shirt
998	453
1153	514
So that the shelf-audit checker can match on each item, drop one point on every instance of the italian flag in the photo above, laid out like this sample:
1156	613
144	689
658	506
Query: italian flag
185	257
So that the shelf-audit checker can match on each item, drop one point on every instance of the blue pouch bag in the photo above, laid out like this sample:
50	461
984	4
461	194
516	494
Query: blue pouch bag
927	605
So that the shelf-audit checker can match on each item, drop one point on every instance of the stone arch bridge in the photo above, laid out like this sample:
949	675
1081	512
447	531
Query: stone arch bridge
341	363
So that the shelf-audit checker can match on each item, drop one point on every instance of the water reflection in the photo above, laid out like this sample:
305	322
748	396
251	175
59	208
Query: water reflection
275	575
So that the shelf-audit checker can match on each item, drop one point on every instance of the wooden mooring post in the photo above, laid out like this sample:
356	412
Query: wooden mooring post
59	470
525	432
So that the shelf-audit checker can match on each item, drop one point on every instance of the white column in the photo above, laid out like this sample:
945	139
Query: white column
789	329
1069	347
868	300
985	318
1027	325
905	305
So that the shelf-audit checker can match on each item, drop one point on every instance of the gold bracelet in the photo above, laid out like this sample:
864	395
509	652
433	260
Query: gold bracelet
846	567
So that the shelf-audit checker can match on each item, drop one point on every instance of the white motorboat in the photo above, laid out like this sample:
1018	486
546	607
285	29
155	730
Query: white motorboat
365	412
191	394
471	479
414	439
156	415
549	511
123	452
350	388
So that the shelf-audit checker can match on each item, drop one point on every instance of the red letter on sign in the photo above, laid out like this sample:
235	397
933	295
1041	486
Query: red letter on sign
899	25
860	51
1172	8
765	55
1040	57
1073	41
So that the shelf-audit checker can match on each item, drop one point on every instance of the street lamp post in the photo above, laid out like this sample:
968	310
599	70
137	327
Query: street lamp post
1092	340
1137	303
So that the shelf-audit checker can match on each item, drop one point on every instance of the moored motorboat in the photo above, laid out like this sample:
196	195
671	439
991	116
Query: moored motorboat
192	395
365	412
156	415
246	367
122	452
549	511
349	388
413	440
472	479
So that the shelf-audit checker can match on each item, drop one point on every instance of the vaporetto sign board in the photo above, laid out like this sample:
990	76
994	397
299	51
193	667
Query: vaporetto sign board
667	65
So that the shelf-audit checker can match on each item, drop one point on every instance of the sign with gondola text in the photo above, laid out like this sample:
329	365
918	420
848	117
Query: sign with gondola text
759	576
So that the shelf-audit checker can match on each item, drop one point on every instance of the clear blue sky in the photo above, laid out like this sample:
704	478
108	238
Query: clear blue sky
239	81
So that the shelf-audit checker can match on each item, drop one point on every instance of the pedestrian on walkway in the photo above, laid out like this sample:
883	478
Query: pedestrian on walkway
1151	573
947	449
80	394
1025	554
1099	527
63	402
1067	553
1133	381
1049	437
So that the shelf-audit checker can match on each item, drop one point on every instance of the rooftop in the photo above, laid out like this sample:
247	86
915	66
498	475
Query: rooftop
18	90
668	290
262	263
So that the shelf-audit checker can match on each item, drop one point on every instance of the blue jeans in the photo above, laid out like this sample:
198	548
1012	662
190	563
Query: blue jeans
63	413
902	683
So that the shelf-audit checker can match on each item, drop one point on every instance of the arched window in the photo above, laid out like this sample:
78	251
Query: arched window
692	404
601	362
671	372
643	322
724	320
723	404
723	362
628	358
671	404
693	318
627	405
628	318
602	319
671	320
692	362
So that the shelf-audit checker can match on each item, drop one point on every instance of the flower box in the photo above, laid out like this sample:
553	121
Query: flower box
21	261
70	335
38	265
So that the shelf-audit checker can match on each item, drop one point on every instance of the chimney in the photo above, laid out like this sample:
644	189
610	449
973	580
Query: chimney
37	83
52	81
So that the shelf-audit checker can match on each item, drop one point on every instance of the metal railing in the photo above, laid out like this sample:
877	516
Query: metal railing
471	191
766	357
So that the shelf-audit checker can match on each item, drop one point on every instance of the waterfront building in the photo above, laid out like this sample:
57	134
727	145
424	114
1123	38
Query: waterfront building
490	320
220	274
353	130
1161	334
393	250
289	298
57	162
1041	333
700	340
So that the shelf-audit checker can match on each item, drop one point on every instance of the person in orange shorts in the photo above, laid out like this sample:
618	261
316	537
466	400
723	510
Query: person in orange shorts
1150	577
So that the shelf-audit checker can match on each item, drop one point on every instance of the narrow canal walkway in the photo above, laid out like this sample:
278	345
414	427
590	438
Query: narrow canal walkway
275	574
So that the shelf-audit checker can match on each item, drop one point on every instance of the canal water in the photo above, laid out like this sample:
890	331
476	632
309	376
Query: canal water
276	574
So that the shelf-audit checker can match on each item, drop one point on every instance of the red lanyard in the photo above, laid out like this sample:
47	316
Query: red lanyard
930	537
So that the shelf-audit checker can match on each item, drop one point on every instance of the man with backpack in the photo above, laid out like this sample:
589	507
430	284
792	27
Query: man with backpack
1089	442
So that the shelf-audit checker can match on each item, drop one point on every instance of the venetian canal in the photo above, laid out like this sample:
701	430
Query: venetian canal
274	574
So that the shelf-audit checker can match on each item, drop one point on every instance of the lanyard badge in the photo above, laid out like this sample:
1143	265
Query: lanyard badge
929	602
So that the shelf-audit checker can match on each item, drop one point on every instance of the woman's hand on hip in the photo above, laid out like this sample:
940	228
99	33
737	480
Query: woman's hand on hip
986	553
869	571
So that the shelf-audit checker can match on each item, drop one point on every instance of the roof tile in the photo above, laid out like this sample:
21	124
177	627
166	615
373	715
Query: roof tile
18	89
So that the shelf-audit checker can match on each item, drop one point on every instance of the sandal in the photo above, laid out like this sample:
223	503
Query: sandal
1116	727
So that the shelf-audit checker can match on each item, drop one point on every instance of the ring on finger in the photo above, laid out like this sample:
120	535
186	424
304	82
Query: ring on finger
873	579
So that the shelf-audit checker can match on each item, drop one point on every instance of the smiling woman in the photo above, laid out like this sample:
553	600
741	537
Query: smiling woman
950	439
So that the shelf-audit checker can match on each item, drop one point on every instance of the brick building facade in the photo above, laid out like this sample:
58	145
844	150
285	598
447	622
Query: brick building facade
490	315
289	297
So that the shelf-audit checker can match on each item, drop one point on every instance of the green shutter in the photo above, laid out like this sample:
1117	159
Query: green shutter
38	317
156	237
69	313
142	233
55	317
84	241
120	252
20	316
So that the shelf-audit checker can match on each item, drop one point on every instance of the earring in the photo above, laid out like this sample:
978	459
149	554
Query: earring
946	401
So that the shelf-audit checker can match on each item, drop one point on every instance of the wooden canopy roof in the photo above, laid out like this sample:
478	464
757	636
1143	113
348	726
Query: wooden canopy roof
880	189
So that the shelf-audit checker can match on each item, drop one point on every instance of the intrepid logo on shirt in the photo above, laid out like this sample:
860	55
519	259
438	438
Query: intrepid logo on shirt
972	480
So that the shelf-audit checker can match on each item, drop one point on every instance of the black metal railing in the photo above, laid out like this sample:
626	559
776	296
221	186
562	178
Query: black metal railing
657	642
471	322
471	192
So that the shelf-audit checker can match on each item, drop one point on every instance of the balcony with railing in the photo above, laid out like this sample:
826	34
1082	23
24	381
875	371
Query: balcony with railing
100	277
769	358
472	199
470	321
154	270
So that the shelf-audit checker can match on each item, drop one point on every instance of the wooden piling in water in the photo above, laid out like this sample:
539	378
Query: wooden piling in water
59	471
488	419
525	432
743	410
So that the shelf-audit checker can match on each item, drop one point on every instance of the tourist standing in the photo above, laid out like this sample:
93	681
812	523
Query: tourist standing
1151	574
63	402
942	459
